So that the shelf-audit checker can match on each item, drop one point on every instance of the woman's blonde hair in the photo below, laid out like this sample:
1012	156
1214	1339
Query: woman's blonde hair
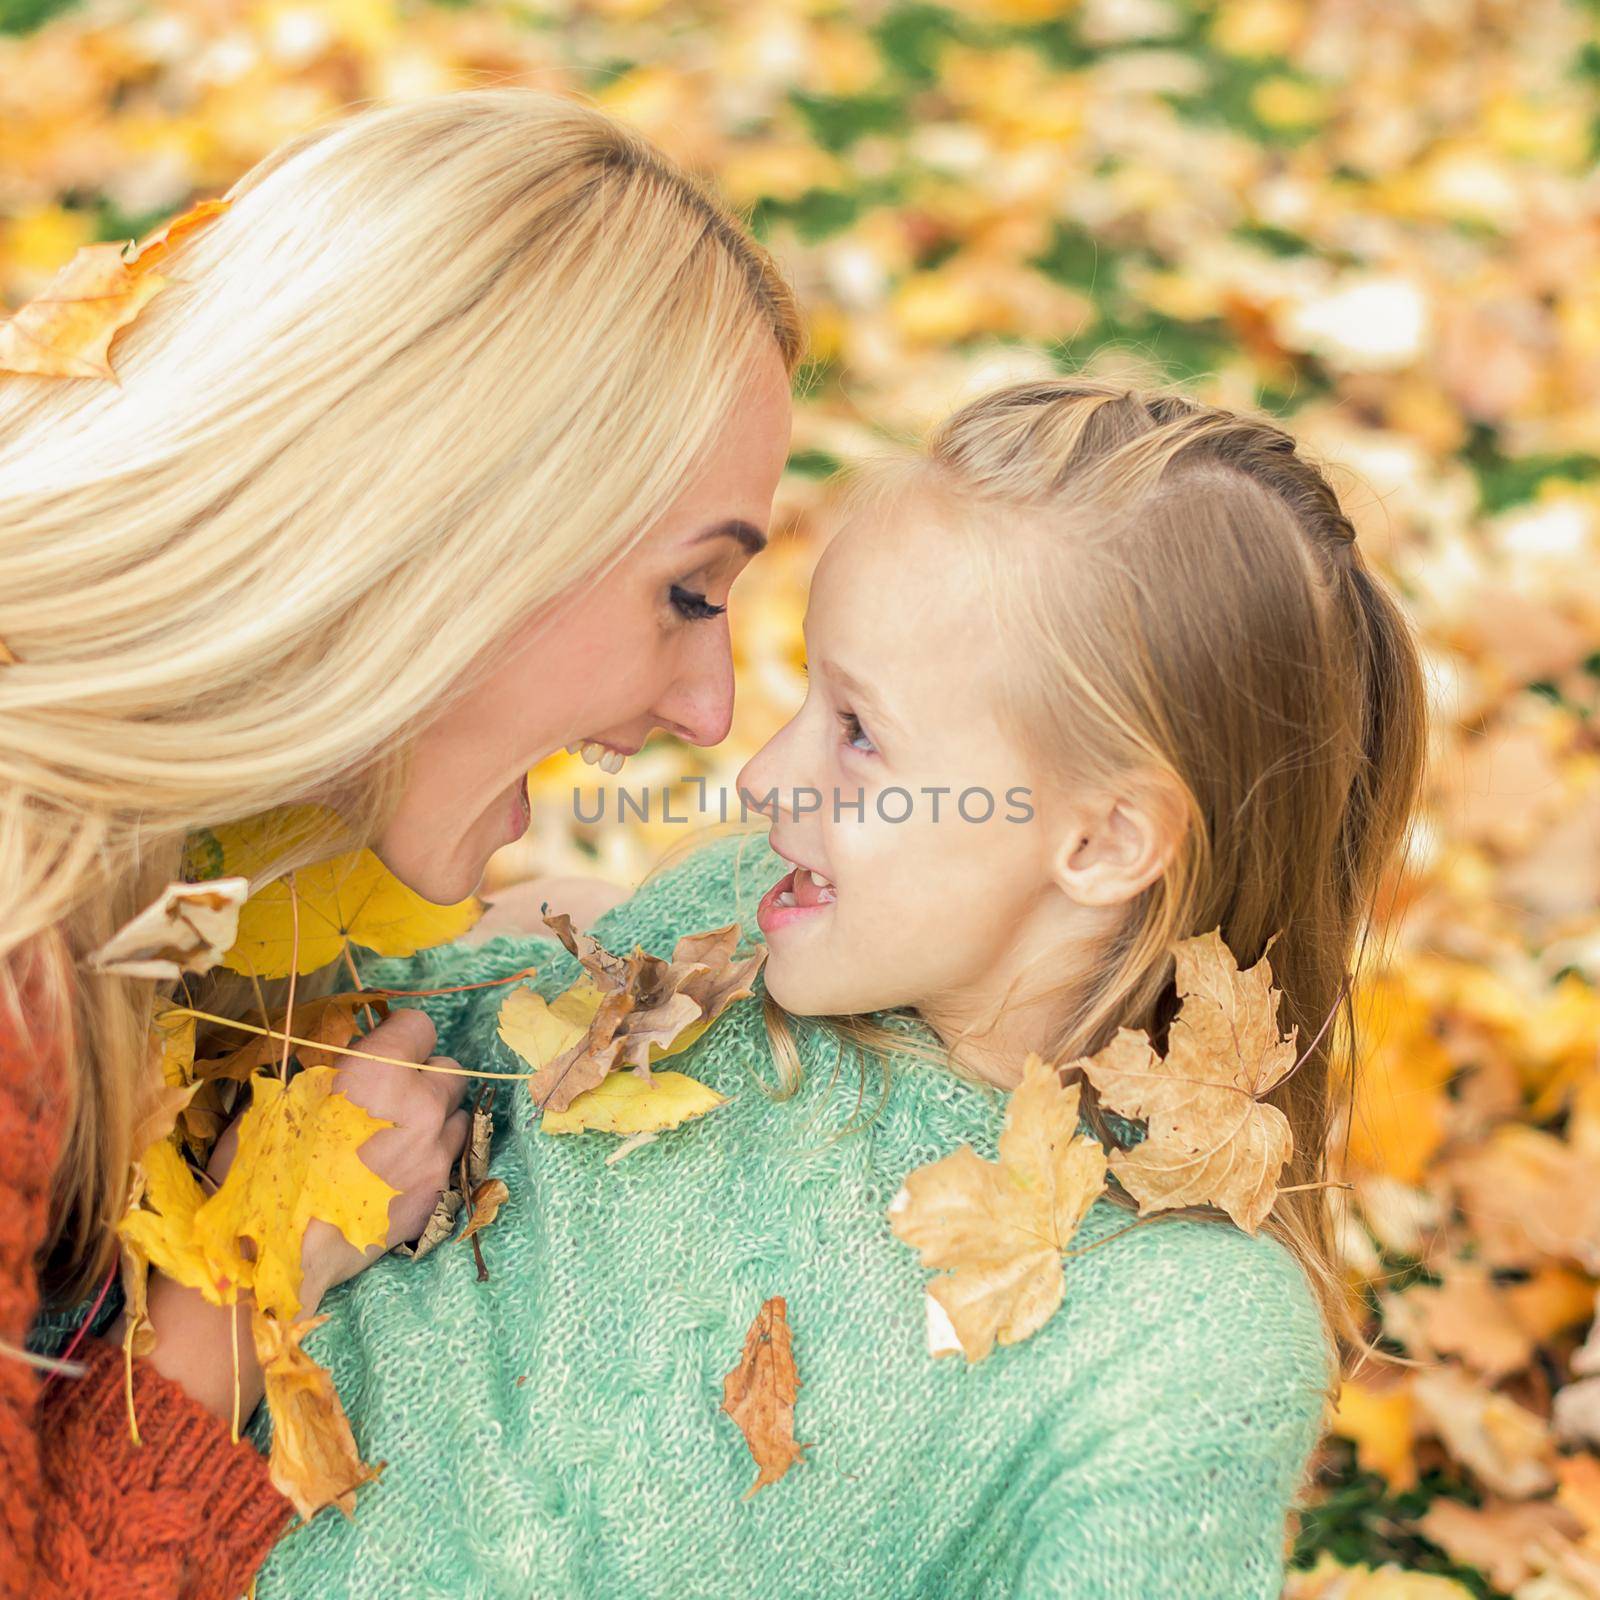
1180	594
438	363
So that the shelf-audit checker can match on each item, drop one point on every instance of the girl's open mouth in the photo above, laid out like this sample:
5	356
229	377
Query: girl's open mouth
800	893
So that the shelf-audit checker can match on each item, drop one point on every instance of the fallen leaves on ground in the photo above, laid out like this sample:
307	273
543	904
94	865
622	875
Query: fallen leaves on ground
996	1230
760	1392
627	1011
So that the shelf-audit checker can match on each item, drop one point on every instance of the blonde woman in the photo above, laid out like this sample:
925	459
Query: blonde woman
442	452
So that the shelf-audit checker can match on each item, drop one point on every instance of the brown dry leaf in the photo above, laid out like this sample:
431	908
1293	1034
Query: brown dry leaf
1212	1140
7	657
487	1198
328	1020
188	928
66	330
632	1010
314	1459
759	1394
1000	1227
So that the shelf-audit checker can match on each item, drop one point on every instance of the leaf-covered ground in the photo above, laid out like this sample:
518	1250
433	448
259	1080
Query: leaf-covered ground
1380	220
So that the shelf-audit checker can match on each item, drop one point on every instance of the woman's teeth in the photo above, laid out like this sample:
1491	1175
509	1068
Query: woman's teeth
598	755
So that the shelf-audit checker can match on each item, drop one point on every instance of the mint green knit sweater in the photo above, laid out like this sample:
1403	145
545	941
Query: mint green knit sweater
555	1432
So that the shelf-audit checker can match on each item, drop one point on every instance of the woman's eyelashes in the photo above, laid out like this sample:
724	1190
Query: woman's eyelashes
693	606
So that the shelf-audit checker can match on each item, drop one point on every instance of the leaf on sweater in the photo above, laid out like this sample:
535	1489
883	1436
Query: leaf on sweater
314	1460
997	1229
1212	1139
297	1159
624	1103
187	928
759	1394
487	1198
328	1020
343	900
627	1011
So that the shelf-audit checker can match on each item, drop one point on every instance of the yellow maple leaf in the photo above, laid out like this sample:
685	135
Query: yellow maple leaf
624	1103
1000	1227
297	1159
1211	1139
162	1232
343	900
314	1460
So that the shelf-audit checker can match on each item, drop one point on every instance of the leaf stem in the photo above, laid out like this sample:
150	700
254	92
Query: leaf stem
340	1050
283	1066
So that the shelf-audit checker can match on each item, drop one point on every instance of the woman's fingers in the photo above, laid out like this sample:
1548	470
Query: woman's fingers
407	1034
454	1135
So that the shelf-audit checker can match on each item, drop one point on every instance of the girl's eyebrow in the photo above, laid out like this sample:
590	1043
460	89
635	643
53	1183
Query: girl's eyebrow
747	533
864	697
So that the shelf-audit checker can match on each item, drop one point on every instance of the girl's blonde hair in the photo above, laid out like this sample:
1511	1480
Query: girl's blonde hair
437	364
1179	593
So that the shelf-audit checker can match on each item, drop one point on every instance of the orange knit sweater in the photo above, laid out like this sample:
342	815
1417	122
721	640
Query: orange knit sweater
84	1512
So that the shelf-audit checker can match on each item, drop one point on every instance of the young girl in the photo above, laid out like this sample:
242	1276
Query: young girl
1141	627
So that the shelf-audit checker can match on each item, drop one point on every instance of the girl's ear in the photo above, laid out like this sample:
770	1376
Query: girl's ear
1113	846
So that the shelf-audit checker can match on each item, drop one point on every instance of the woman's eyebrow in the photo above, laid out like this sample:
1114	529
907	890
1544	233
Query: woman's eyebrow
747	533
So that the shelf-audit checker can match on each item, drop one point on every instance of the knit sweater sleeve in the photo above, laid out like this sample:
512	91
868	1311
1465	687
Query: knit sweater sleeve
1206	1428
84	1512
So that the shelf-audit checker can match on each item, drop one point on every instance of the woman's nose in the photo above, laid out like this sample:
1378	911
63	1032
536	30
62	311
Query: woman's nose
699	705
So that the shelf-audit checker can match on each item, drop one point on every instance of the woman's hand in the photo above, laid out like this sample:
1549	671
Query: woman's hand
193	1337
414	1156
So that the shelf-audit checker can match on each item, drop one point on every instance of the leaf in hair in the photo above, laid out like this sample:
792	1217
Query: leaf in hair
187	928
1212	1139
65	331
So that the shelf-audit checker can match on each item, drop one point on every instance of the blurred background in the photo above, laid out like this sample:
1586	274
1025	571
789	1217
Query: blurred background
1377	219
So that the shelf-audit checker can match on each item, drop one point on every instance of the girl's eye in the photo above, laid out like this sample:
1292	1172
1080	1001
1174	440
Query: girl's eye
693	606
853	731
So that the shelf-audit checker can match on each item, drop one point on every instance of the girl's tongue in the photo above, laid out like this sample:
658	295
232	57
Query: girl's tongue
807	891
